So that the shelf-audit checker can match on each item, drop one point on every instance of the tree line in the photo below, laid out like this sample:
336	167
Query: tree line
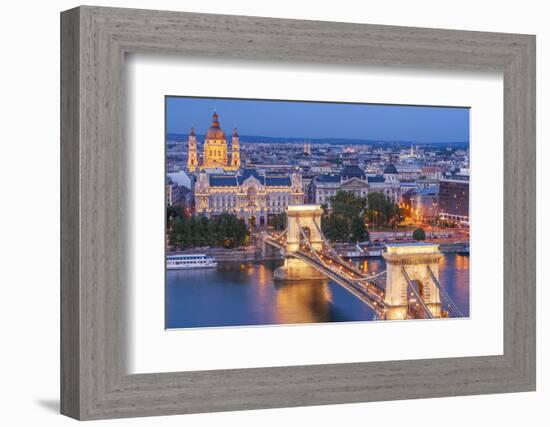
349	214
225	230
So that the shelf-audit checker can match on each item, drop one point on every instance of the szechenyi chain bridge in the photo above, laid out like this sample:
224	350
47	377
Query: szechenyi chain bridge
408	289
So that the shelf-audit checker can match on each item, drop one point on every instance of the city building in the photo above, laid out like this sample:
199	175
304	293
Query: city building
407	185
454	199
249	194
178	189
177	195
180	178
306	183
408	171
216	155
354	180
422	204
411	154
431	172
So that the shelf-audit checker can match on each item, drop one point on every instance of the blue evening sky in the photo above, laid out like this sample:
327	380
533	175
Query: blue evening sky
320	120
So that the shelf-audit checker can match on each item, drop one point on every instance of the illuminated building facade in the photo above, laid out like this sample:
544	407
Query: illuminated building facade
354	180
248	194
454	199
422	204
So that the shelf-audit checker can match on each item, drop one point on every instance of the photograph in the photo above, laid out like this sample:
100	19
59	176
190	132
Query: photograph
266	214
295	212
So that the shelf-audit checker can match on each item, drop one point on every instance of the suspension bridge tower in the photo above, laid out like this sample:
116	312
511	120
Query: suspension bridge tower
412	279
303	230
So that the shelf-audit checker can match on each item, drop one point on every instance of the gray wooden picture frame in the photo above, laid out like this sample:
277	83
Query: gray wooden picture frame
94	41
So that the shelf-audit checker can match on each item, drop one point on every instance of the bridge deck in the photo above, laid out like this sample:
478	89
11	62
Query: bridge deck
367	288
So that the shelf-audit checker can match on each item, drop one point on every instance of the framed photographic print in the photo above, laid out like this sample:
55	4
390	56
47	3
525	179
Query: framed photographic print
262	213
269	226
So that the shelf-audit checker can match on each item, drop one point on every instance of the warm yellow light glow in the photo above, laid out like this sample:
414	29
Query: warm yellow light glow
402	249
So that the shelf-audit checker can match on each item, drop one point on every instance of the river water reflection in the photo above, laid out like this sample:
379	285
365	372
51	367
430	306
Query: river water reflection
238	294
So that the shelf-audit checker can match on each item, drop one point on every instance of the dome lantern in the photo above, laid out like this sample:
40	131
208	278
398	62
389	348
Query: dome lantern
215	132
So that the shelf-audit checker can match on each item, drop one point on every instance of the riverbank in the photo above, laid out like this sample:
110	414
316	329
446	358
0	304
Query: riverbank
244	254
254	254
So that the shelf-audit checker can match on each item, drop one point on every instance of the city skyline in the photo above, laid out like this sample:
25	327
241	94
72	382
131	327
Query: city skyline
320	120
324	212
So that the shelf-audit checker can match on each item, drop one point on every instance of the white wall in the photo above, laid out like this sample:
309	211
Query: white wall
29	225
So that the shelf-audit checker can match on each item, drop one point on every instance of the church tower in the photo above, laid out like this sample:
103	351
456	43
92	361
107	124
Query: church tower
192	161
235	151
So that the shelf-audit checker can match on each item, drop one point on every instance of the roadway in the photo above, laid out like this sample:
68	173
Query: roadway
346	274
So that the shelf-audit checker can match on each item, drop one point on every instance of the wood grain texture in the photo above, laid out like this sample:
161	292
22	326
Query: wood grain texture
94	381
70	292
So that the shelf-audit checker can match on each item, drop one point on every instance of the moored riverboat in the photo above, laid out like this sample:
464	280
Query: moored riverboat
190	261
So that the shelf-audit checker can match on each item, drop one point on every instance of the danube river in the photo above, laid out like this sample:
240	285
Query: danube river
237	294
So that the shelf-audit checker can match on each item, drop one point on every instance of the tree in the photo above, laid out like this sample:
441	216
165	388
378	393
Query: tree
174	212
359	232
376	207
324	217
346	220
179	232
397	216
201	231
231	230
419	234
279	221
381	210
347	204
336	228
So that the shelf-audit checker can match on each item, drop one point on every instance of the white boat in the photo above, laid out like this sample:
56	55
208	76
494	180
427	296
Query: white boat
186	262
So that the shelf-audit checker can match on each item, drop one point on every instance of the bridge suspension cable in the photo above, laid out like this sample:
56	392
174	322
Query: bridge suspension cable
325	240
335	254
336	269
444	293
308	243
375	276
361	274
411	286
278	236
336	257
325	259
339	276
